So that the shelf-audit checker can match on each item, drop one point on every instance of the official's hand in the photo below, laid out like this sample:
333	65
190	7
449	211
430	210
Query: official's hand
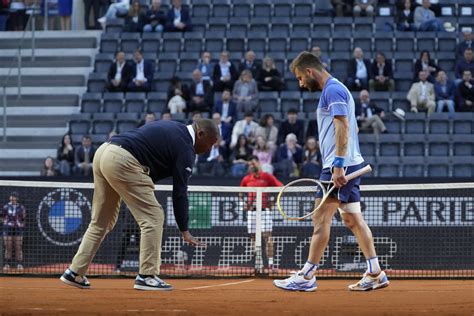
338	177
187	237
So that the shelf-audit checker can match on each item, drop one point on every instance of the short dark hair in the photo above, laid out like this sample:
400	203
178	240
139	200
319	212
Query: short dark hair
253	157
292	111
248	113
150	112
208	126
14	194
306	60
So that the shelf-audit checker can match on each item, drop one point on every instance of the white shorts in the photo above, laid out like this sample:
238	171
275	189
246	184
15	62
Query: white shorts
267	221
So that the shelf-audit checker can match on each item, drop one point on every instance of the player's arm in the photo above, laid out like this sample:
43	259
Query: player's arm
341	126
242	195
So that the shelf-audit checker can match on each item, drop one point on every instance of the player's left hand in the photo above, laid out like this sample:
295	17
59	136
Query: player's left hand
191	240
338	177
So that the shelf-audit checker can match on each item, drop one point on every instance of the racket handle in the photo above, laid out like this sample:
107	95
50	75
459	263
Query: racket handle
359	172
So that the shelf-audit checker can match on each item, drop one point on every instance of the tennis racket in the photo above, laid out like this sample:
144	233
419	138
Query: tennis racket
301	194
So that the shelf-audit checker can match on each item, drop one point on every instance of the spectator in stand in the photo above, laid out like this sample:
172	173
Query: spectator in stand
195	116
225	131
65	156
264	154
240	156
14	215
166	116
445	92
83	157
65	12
155	18
467	63
206	66
311	167
269	78
226	107
92	5
268	131
150	116
4	12
316	50
434	6
119	74
364	7
381	74
246	127
245	92
224	74
291	126
369	115
178	95
405	17
425	19
200	93
141	74
49	168
343	7
249	63
289	157
421	95
119	8
466	93
178	19
135	20
466	43
17	15
425	63
212	163
358	71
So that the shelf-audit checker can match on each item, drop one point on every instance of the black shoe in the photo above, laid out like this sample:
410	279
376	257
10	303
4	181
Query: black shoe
151	283
71	278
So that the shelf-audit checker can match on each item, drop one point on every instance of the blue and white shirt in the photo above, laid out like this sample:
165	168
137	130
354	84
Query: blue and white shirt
336	100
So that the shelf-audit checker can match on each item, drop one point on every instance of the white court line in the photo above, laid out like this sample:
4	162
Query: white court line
216	285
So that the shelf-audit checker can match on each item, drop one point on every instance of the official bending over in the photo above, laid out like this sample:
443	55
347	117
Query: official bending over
127	168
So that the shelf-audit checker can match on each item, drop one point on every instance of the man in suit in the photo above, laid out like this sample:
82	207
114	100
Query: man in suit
422	95
226	107
381	74
119	74
225	130
466	93
249	63
291	126
468	42
224	74
247	127
178	18
83	157
358	71
141	74
201	93
368	114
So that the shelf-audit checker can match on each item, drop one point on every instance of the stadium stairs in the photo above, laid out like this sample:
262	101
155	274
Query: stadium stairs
51	87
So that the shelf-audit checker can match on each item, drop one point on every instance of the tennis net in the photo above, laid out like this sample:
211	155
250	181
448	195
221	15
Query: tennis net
420	230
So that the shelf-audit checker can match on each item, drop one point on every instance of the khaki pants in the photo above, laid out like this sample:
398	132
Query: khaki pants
422	104
118	175
375	122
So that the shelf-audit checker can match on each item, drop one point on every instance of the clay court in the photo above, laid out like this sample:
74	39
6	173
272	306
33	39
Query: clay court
48	296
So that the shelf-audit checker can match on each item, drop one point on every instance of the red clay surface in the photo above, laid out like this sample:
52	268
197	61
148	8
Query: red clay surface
49	296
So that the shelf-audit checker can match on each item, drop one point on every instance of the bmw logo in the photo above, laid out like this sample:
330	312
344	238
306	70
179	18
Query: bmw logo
63	216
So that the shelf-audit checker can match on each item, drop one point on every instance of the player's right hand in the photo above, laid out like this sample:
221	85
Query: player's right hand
338	177
191	240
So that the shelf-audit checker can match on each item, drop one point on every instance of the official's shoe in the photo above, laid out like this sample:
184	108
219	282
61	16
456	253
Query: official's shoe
71	278
368	282
297	282
19	266
151	284
6	267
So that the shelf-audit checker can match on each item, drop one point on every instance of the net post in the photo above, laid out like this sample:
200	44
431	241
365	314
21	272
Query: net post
258	233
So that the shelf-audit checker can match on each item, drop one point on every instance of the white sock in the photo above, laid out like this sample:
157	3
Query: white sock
270	260
309	270
373	266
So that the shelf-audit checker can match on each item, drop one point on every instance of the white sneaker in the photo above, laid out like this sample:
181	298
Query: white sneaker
19	266
368	282
151	284
101	20
297	282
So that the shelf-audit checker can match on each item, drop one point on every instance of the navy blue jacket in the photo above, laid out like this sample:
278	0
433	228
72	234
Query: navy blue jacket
185	18
166	147
147	70
450	91
231	112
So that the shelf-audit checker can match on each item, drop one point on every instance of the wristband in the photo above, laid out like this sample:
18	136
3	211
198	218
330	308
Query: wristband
338	162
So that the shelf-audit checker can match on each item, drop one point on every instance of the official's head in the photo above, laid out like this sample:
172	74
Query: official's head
308	69
207	133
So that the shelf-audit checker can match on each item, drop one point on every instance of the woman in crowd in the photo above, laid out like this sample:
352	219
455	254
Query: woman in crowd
264	154
65	155
49	168
268	131
269	78
425	63
245	92
311	167
240	156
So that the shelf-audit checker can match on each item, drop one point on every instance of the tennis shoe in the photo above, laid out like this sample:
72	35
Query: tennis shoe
151	284
369	282
71	278
296	282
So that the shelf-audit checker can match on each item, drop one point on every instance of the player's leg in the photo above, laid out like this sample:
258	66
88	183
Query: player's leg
374	277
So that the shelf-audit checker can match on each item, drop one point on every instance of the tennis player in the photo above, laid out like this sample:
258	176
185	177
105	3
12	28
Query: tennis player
257	178
340	155
127	168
